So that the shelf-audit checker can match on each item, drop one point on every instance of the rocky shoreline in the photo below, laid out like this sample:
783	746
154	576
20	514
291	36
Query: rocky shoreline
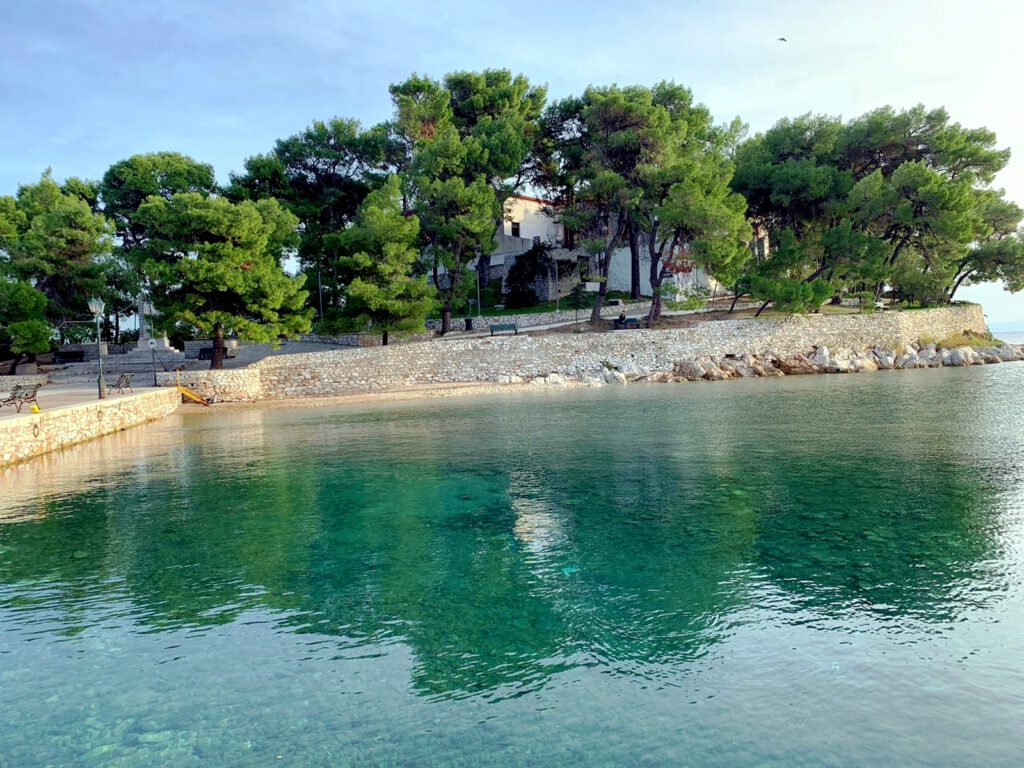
818	360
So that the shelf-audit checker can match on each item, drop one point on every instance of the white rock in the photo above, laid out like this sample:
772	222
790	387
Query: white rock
864	364
821	357
909	360
611	376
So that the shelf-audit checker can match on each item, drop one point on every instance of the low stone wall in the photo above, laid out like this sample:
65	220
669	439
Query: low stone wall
235	385
502	357
344	339
532	319
32	434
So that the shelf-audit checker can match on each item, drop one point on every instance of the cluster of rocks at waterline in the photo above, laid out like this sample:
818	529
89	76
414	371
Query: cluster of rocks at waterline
819	360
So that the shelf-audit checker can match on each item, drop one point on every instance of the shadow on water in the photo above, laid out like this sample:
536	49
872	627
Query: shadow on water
505	542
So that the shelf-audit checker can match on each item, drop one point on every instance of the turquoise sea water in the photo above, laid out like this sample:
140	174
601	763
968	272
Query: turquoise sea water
811	571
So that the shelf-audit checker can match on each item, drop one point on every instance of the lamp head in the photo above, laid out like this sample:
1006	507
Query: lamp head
96	307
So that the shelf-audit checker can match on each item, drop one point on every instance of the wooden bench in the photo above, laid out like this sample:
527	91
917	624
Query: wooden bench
206	353
69	356
124	380
504	327
21	394
629	324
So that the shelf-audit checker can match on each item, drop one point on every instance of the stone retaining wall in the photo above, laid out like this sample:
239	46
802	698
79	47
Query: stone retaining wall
531	319
494	358
32	434
235	385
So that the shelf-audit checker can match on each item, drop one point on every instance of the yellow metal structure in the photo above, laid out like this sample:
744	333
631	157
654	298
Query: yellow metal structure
188	392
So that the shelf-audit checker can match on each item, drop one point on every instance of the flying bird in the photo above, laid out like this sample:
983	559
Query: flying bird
783	40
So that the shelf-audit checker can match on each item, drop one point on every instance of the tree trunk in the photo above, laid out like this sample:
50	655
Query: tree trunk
14	364
217	359
657	280
483	269
735	298
446	317
959	282
655	312
384	339
117	328
603	268
762	308
634	264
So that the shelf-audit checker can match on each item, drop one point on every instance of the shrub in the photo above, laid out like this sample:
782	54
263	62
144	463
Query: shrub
522	277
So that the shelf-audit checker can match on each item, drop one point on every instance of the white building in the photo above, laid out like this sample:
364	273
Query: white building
530	221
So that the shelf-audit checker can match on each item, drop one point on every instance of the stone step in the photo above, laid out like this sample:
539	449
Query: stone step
113	367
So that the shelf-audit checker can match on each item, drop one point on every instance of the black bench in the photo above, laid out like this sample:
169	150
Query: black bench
69	356
21	394
629	324
506	327
124	380
206	353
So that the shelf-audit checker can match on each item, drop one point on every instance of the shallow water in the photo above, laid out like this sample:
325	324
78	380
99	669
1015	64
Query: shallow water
812	571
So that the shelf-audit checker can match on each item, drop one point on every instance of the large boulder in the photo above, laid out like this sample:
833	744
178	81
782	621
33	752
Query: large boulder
612	376
591	378
690	370
712	371
909	359
864	363
988	355
951	357
930	356
662	377
1008	353
821	357
797	365
841	366
632	371
883	358
745	371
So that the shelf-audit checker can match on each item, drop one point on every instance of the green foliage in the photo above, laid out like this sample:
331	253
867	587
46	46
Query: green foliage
321	174
215	266
650	163
464	138
789	295
55	242
889	197
382	291
522	277
128	183
23	328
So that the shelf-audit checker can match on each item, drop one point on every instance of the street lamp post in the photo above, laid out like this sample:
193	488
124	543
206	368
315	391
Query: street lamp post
96	307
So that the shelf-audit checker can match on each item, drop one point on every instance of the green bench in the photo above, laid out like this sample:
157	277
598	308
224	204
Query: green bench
504	327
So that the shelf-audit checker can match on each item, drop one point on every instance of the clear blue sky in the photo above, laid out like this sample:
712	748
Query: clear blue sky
84	83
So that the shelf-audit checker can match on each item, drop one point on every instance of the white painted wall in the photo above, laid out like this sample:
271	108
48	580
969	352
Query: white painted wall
533	222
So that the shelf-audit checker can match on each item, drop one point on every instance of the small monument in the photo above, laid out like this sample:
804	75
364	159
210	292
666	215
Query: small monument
146	332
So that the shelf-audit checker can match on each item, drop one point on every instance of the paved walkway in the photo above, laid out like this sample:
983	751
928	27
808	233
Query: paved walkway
53	397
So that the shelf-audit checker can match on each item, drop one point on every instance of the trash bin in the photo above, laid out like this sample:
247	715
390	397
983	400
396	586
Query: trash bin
469	323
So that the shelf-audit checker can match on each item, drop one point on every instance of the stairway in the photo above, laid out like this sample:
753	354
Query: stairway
138	361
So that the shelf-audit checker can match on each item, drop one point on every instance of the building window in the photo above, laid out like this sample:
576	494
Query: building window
515	229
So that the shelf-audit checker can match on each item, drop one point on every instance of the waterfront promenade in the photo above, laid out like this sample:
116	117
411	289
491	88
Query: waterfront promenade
71	413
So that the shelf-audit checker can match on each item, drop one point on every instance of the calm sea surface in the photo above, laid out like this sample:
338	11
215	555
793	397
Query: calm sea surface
811	571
